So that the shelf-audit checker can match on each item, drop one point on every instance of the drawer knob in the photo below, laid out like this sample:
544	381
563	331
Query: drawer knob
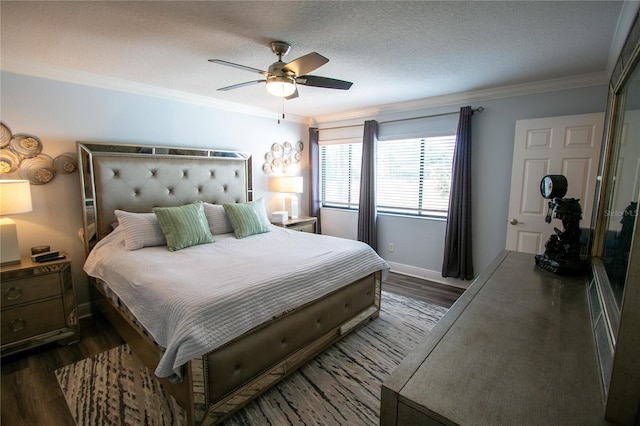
17	325
13	293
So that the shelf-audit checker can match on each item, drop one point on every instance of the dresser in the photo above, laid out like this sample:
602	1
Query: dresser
515	349
303	224
38	305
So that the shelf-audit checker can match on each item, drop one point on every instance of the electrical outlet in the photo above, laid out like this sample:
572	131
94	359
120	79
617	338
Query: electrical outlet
391	247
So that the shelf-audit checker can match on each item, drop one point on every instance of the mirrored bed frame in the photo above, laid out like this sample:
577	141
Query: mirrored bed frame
138	178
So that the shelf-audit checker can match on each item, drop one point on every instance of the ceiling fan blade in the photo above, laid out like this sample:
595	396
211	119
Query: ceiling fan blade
242	67
329	83
293	95
306	63
236	86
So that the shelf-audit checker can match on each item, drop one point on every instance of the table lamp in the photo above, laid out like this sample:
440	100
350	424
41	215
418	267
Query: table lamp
15	198
290	185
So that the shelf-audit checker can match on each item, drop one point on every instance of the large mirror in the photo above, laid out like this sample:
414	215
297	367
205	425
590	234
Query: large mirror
624	178
614	289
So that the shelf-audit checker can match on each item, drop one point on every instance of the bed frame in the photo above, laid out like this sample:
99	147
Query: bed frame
138	178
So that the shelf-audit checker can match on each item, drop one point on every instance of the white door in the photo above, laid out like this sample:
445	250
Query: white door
569	146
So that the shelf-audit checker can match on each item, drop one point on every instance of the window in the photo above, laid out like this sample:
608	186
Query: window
340	175
413	175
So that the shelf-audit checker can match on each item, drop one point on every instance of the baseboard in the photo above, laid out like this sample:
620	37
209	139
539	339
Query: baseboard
427	274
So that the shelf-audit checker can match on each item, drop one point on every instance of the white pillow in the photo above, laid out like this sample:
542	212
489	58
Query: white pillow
218	220
263	211
140	230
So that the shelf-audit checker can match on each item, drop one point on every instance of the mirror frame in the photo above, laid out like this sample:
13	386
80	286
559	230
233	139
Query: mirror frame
616	327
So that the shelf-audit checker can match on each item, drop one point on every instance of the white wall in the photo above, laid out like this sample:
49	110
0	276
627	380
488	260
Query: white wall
61	114
419	242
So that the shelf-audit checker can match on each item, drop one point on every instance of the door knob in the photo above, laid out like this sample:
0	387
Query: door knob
514	221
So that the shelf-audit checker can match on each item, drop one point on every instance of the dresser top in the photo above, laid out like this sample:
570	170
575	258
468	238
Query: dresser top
516	348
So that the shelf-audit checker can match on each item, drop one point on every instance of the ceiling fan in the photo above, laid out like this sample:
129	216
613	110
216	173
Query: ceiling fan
282	78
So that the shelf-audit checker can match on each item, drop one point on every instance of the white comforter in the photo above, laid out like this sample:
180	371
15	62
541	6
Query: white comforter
194	300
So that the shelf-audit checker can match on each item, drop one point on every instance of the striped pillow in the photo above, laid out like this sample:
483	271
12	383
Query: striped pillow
218	220
140	230
184	226
247	218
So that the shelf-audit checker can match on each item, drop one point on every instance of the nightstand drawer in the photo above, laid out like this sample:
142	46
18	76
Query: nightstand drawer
302	224
309	227
15	292
27	321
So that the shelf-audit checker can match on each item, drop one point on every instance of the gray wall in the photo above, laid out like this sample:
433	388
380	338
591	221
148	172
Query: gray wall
419	242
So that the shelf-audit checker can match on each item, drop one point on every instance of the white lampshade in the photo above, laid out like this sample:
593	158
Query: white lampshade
15	196
289	184
281	86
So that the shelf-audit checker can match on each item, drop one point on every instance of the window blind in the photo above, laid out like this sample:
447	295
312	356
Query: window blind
340	175
413	175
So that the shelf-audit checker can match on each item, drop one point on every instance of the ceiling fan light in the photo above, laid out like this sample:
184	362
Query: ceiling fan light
281	86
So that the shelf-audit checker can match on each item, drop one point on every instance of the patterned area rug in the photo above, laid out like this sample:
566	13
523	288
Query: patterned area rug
339	387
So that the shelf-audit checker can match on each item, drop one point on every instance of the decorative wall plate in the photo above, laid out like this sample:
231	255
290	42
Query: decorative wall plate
26	146
37	170
5	135
278	153
9	161
65	163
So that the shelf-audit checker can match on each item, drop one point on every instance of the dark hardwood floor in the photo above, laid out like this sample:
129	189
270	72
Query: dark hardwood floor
30	391
417	288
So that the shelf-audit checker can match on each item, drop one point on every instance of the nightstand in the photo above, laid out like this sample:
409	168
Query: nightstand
303	224
38	305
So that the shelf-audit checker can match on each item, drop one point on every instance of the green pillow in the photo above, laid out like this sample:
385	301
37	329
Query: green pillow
184	226
247	218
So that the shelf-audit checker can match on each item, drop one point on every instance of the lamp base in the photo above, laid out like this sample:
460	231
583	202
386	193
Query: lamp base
9	252
291	205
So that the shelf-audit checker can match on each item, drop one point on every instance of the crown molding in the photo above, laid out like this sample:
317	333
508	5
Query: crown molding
40	70
584	80
49	72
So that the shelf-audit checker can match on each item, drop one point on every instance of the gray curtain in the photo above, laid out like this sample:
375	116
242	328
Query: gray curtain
367	213
458	262
314	182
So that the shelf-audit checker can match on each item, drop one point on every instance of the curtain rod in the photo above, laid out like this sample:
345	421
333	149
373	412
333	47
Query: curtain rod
479	109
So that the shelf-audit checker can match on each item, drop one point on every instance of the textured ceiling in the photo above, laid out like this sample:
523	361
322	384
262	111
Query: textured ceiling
393	51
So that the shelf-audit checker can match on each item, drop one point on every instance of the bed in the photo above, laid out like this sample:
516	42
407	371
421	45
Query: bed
221	320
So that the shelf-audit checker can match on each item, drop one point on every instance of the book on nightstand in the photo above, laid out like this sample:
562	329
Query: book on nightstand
47	256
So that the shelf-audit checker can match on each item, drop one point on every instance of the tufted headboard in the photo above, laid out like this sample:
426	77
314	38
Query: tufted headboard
139	178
